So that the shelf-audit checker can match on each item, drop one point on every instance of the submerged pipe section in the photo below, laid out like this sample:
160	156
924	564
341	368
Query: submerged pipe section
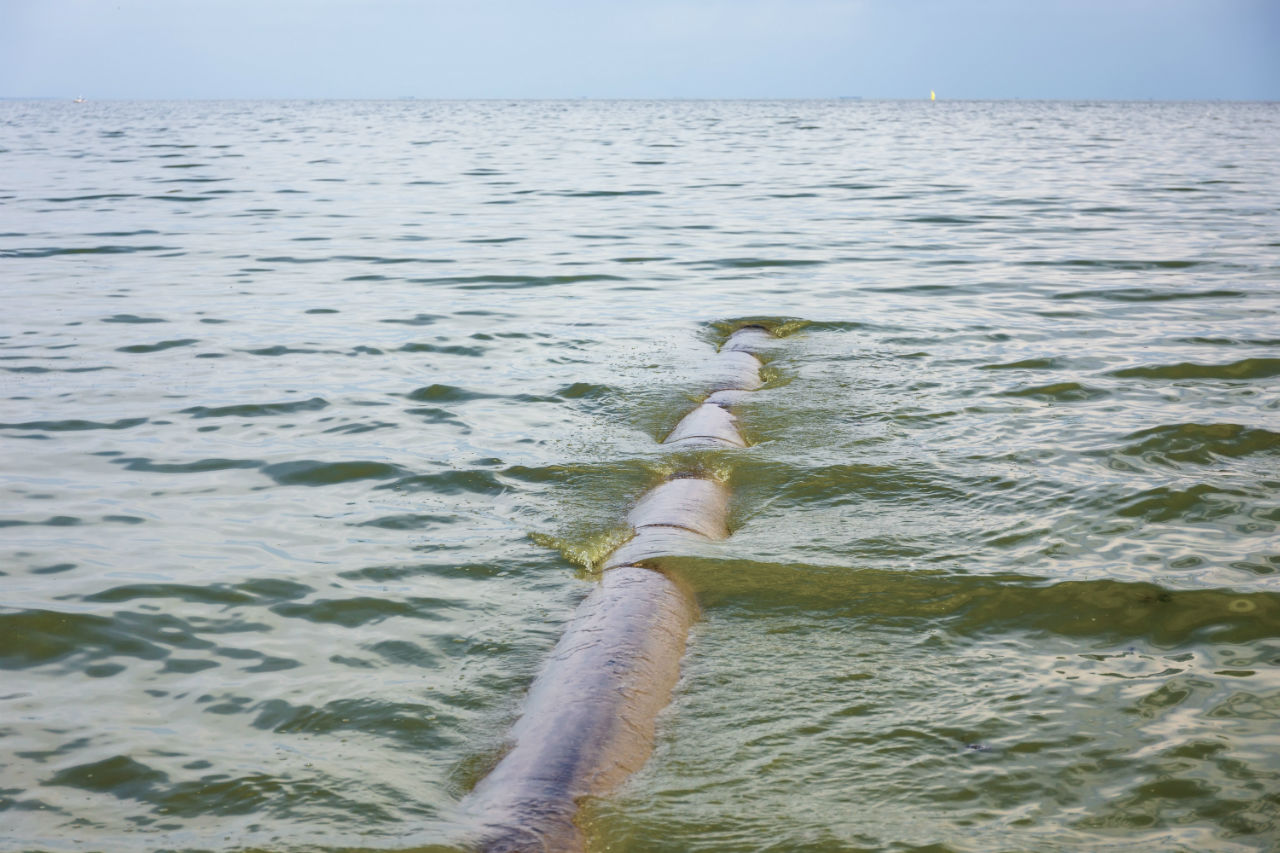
588	720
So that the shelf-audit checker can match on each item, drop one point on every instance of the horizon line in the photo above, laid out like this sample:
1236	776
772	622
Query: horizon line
1118	100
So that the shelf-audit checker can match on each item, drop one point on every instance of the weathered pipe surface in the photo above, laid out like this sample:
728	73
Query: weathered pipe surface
749	339
694	503
707	424
655	541
735	369
588	721
589	717
727	397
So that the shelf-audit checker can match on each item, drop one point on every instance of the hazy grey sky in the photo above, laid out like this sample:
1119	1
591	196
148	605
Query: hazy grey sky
1161	49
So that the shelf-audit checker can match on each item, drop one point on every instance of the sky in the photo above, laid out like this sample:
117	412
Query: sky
1087	49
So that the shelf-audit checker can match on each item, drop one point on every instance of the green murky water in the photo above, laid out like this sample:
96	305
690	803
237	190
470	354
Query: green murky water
292	393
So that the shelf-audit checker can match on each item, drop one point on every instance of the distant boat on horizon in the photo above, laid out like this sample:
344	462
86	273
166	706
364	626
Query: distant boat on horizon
79	99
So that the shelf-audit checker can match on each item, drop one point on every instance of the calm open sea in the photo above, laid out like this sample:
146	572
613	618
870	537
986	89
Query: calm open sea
313	416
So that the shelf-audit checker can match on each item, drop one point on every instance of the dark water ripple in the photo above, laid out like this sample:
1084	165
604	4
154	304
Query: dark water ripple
293	411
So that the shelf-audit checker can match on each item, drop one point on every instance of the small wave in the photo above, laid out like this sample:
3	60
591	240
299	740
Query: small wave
192	180
407	522
269	590
416	726
752	263
403	652
131	318
281	349
583	390
353	429
53	251
96	197
1249	368
1059	392
158	347
309	472
217	594
289	259
214	794
434	415
52	521
984	606
31	638
604	193
1028	364
383	259
1148	294
1198	443
119	775
349	612
946	220
200	466
189	665
438	393
1230	342
922	288
453	349
1128	265
1197	504
853	483
74	424
416	320
513	282
256	410
718	331
53	569
450	483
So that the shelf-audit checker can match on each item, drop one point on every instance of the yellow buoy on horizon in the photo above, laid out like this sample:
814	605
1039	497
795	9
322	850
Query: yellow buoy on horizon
933	96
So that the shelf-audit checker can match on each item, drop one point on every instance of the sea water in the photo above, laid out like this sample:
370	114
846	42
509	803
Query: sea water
317	416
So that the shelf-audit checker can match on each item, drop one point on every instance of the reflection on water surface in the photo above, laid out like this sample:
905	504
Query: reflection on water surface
298	395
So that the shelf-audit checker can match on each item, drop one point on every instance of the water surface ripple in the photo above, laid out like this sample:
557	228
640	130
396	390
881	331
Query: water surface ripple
297	395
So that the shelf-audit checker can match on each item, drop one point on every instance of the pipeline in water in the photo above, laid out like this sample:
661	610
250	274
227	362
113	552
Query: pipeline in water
588	720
